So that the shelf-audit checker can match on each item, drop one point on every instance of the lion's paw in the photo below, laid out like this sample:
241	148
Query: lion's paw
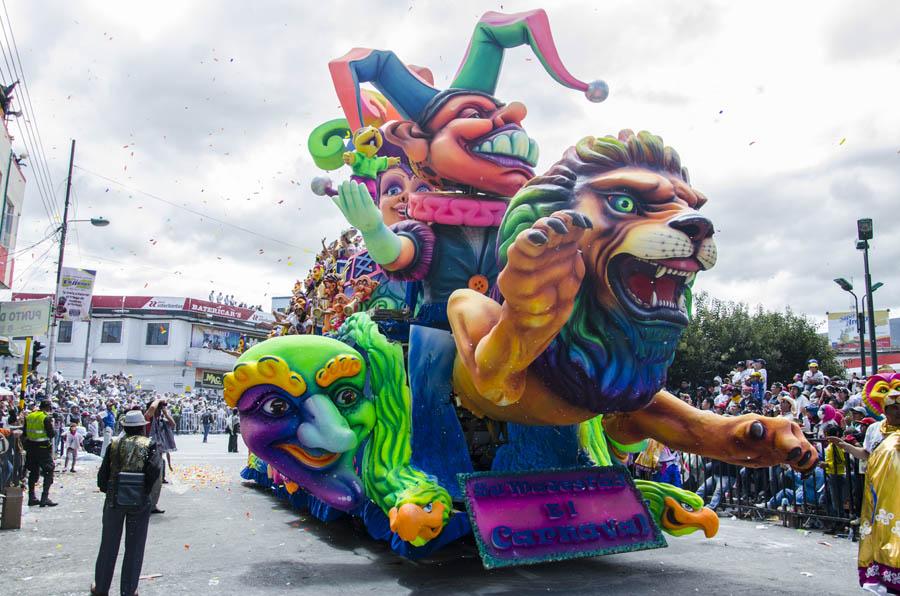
544	270
773	441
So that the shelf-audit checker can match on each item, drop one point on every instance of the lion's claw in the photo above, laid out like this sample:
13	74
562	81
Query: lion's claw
579	219
557	225
757	430
537	237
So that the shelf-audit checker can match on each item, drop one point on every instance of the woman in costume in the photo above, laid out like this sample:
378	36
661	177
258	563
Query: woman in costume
879	546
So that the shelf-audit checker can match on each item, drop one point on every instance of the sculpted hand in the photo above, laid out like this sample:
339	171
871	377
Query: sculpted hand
349	158
393	161
357	205
358	208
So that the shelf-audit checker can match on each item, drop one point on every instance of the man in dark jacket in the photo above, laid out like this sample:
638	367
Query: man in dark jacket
134	453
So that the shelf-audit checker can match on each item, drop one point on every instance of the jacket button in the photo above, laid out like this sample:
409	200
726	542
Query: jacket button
479	283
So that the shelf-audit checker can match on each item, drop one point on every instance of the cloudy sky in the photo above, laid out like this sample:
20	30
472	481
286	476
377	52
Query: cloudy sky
191	121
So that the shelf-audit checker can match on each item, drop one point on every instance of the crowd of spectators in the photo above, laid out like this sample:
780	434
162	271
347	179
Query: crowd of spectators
99	402
832	415
229	300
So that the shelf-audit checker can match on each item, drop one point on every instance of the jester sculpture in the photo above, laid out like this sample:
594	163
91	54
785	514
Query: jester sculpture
553	303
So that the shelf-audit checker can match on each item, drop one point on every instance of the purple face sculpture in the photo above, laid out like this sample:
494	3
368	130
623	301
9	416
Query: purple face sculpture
304	411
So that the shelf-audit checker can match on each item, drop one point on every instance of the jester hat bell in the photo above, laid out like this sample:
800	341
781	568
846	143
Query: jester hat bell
416	98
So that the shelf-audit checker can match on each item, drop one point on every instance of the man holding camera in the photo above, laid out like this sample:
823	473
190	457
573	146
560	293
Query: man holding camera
130	469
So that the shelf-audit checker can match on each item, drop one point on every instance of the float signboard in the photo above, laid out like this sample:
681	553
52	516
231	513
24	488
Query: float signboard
551	515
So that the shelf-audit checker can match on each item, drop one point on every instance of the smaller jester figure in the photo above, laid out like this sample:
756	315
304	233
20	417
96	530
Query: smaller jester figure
337	424
364	159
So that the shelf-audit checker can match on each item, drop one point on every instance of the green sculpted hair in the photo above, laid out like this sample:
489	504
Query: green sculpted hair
555	190
389	477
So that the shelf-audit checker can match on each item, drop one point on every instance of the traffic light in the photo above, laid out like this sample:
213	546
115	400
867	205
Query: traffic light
36	349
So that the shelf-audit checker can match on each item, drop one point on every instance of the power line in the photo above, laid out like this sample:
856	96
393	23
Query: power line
29	133
26	138
188	209
33	115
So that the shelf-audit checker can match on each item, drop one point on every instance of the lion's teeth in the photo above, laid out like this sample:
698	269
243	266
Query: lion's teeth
682	305
660	271
690	278
653	301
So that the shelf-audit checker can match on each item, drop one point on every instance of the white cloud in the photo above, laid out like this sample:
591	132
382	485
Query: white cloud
215	100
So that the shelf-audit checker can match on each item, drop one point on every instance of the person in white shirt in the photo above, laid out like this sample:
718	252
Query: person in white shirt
759	365
813	376
739	374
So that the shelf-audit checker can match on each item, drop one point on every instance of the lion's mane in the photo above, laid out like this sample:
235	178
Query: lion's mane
601	360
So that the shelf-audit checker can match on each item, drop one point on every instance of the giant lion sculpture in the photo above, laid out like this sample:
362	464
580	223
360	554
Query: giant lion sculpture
598	255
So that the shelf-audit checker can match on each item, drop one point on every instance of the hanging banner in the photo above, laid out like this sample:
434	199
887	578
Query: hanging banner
75	289
844	336
24	318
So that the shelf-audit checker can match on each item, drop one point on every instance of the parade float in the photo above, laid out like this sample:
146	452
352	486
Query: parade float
485	347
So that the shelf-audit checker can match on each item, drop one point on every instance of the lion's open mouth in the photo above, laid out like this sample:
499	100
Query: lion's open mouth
653	290
313	458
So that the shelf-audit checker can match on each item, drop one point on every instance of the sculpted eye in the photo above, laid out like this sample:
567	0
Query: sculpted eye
393	190
622	203
470	113
276	407
346	397
423	188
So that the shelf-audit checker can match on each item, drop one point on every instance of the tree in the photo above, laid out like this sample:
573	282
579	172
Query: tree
722	333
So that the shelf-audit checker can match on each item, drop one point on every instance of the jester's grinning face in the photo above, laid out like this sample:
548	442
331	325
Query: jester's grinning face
307	420
473	141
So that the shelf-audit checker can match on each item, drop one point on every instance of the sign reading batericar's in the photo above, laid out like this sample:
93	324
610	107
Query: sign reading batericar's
211	379
24	318
535	517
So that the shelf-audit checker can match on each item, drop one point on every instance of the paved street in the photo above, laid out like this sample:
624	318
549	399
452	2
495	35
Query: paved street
221	536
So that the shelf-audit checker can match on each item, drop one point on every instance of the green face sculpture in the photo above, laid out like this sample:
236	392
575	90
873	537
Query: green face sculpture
304	410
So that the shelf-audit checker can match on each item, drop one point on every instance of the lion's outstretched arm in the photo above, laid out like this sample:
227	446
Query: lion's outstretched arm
747	440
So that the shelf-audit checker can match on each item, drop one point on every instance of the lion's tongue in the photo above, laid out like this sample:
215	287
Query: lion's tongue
643	286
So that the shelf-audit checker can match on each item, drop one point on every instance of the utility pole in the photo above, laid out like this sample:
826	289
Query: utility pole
51	350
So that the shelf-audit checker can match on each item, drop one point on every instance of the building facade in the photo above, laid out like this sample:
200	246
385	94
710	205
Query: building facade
165	343
12	199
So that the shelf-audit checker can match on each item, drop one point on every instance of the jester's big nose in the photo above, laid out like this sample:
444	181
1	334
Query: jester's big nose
324	427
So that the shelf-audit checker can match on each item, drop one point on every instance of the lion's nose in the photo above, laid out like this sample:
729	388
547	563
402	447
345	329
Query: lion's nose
696	227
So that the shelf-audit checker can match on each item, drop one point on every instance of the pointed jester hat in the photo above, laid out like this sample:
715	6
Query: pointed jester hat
416	98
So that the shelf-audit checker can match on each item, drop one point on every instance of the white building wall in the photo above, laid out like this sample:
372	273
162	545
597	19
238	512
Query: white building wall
164	368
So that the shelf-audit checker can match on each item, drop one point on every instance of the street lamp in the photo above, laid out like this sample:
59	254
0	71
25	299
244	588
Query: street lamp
860	324
62	229
865	232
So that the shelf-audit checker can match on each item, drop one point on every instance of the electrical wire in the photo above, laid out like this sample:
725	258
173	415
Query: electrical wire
31	119
188	209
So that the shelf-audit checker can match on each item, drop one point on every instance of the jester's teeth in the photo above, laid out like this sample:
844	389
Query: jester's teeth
515	144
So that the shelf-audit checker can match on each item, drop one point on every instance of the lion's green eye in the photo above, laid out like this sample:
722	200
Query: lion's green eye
622	203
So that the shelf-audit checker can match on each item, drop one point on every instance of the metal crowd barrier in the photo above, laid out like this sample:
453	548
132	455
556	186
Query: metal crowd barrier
191	422
12	461
811	501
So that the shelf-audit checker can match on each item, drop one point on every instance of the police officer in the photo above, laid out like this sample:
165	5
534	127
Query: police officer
132	453
39	433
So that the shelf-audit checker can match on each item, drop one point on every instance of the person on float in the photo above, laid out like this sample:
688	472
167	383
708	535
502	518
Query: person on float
471	146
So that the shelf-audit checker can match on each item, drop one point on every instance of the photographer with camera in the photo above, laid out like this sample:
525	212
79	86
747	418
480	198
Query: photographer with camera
130	469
